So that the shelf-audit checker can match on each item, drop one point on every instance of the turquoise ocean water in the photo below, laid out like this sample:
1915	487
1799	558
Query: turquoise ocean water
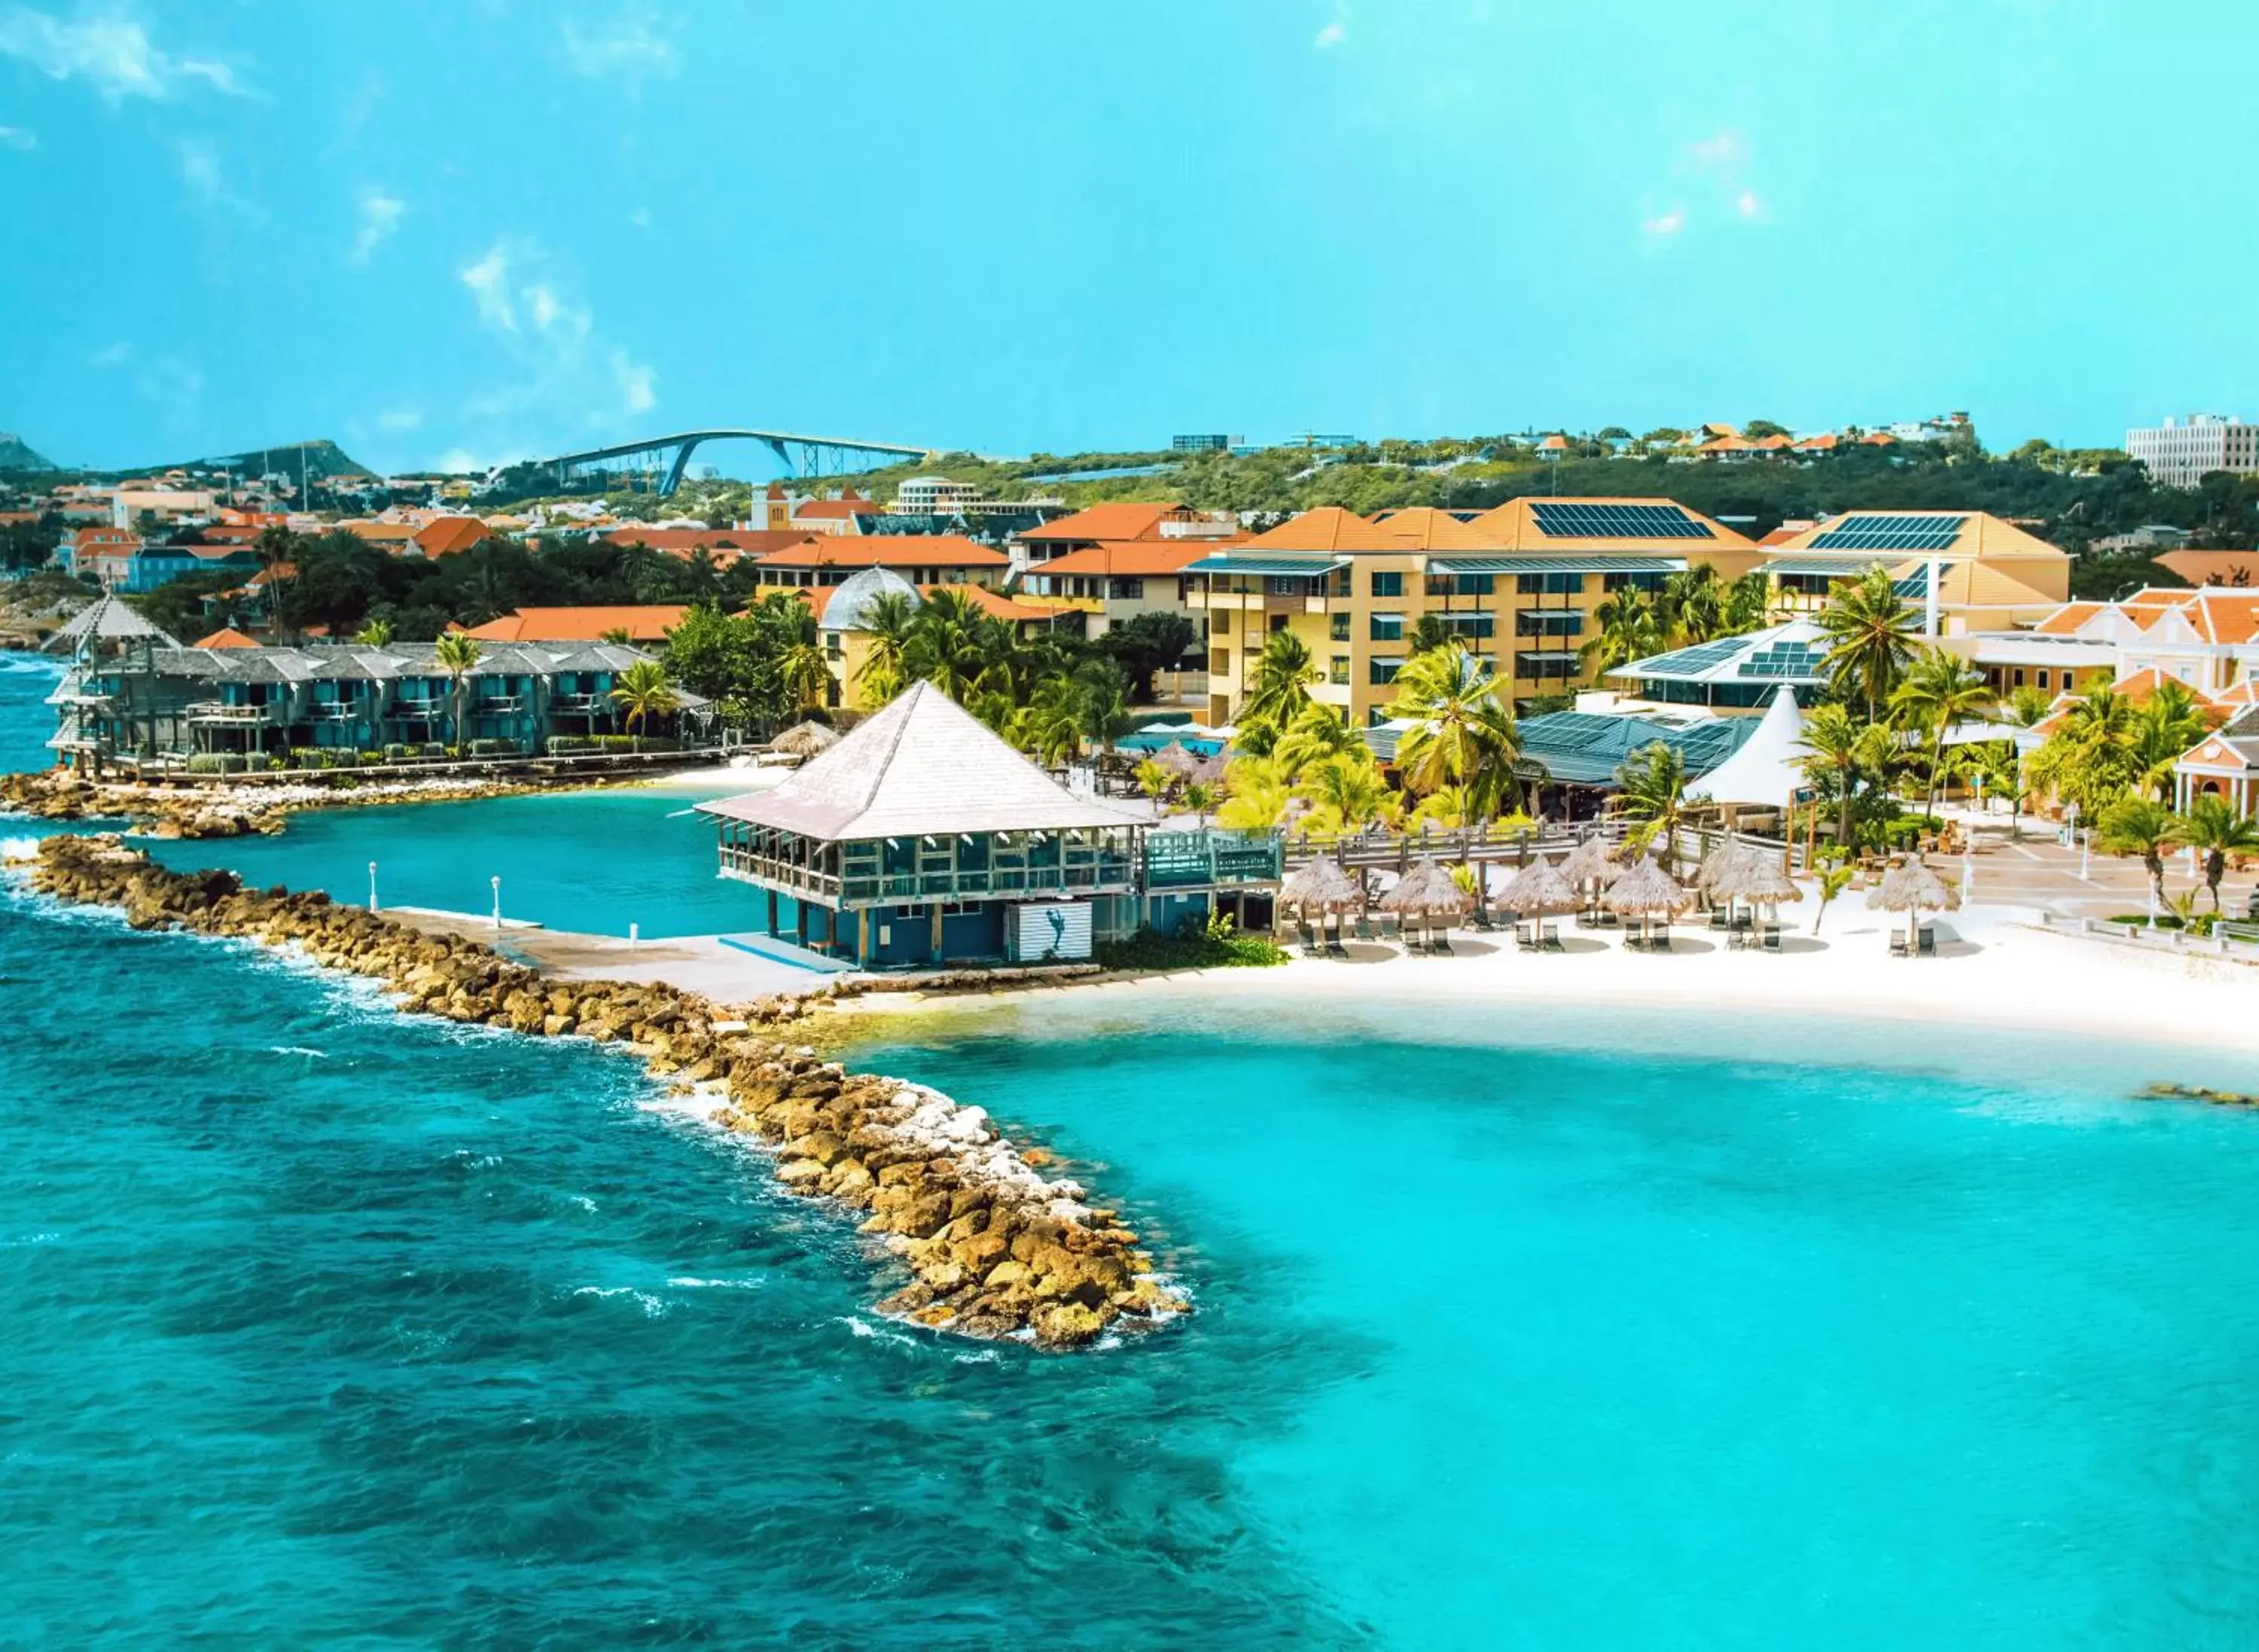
321	1328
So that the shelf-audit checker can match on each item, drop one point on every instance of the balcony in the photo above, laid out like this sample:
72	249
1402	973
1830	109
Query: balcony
1207	859
418	710
333	711
499	705
221	712
1102	875
579	705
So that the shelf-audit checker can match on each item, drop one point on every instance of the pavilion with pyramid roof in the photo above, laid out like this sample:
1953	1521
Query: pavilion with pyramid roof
921	837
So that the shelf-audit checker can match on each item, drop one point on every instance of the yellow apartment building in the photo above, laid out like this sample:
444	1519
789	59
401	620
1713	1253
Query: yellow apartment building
1518	584
1965	571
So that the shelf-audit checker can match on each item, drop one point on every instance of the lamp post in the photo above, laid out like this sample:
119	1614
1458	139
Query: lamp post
372	886
496	882
2085	847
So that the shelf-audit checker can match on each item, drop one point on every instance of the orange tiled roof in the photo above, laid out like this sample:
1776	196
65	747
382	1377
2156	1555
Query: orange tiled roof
1135	558
2235	569
1425	527
996	603
886	551
849	504
2067	619
2223	615
450	536
645	622
723	546
1124	520
226	636
1328	528
384	533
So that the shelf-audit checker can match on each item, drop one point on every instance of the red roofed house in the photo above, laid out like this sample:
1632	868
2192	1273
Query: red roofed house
722	546
451	535
1115	524
923	559
226	636
99	553
642	624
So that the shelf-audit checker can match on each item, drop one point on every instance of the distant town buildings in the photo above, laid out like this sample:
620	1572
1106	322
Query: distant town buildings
2180	452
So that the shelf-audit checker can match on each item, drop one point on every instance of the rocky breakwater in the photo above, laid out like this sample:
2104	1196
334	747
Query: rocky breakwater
163	811
995	1248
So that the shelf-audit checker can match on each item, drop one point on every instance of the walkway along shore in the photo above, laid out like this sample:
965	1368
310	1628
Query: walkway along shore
997	1251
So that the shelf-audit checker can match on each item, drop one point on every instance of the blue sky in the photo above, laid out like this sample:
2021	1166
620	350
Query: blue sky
483	229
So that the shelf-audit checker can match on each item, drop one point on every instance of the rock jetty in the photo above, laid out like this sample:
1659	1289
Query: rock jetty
995	1247
2198	1092
218	810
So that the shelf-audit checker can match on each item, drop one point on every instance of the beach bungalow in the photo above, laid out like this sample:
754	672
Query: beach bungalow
922	838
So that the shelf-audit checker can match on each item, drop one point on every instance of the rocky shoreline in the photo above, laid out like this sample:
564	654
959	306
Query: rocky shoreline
193	811
995	1248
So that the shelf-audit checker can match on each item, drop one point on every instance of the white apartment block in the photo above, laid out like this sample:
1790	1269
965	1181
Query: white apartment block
2180	451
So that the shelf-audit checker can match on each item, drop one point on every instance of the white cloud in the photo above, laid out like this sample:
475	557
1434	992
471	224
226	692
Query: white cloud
1333	34
18	138
488	281
1722	149
112	54
636	382
1665	223
380	217
207	180
628	49
406	418
462	461
1747	205
108	356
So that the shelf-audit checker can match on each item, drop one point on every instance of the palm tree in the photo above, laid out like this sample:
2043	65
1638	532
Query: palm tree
1199	797
1318	733
1281	684
1748	602
1833	880
2166	726
1628	631
2214	828
2136	825
2026	706
1693	606
1937	690
643	692
888	620
1049	726
2088	761
1462	732
1871	635
1430	630
1345	791
375	634
805	673
1831	735
457	654
947	646
1259	792
1154	781
1652	790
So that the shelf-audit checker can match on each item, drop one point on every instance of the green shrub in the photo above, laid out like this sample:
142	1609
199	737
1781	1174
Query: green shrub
495	748
1195	946
370	759
219	763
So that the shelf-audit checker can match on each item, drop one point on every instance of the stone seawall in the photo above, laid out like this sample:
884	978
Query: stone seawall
995	1248
223	811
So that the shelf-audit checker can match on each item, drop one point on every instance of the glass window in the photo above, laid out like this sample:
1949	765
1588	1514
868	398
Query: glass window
1385	584
1338	670
1219	622
1384	670
1386	628
1339	628
1550	584
1340	583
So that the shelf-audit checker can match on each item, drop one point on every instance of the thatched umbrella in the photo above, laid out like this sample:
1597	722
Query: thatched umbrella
1173	757
805	740
1645	891
1588	865
1912	888
1540	890
1319	885
1725	860
1426	891
1757	879
1209	770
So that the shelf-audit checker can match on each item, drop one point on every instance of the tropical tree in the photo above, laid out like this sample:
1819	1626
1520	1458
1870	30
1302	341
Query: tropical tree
1154	781
376	634
888	621
1199	797
2087	759
2214	830
2167	724
1317	733
1748	602
1833	876
2025	706
1345	791
1652	790
1258	793
806	673
1462	733
948	645
642	693
1280	687
1871	635
457	654
2136	825
1937	690
1430	631
1831	735
1627	630
1692	606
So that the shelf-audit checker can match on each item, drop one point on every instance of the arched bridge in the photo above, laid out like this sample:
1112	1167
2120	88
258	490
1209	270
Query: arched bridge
801	455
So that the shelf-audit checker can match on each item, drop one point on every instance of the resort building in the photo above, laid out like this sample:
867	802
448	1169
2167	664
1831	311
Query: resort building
2207	639
925	558
1120	523
2181	452
2224	764
1118	579
1518	585
133	691
1734	674
923	839
1965	571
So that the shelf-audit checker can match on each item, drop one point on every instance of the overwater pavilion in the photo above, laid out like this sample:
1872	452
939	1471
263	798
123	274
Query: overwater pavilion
921	837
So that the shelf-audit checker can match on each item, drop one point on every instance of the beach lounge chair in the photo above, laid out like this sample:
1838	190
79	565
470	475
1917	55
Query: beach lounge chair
1309	937
1898	946
1768	937
1927	946
1550	938
1525	937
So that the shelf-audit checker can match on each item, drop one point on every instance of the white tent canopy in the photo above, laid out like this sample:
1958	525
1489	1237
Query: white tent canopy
1768	770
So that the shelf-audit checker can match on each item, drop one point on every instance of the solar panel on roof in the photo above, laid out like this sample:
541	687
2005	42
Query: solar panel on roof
1701	657
1558	520
1867	532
